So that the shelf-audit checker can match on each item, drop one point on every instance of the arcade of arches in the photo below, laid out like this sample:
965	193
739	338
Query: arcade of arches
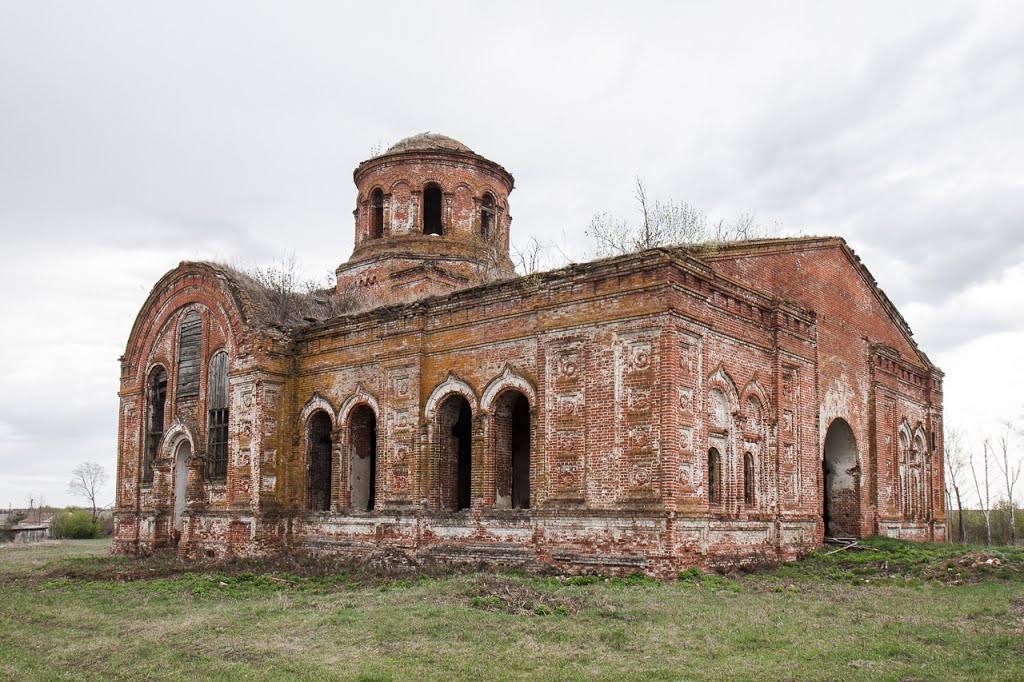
451	461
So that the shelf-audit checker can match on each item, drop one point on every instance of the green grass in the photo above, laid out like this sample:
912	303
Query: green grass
895	611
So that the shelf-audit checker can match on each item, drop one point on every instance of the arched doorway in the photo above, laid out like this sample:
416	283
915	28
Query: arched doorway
453	472
362	457
511	429
319	480
181	456
841	490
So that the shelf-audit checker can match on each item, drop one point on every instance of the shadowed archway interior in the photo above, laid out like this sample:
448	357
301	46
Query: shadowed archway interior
840	501
512	451
453	459
362	456
319	492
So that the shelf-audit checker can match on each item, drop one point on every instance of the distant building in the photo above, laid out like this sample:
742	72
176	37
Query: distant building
31	532
703	405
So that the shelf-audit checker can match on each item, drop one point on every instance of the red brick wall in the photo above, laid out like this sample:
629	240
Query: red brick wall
620	360
855	320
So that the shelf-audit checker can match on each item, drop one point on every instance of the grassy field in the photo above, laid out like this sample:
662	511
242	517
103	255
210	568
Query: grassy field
900	611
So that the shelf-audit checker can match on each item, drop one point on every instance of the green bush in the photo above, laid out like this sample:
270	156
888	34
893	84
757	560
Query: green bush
690	576
105	525
74	524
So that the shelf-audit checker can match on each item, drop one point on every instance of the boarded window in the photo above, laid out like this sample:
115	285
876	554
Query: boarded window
156	399
748	479
714	476
217	408
486	216
377	214
432	210
189	341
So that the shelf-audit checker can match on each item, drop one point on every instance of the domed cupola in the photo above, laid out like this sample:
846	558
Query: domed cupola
431	217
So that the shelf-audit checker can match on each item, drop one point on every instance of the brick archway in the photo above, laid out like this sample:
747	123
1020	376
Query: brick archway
841	482
451	471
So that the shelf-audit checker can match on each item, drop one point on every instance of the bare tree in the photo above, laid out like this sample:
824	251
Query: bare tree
283	302
536	256
87	480
956	462
284	298
663	223
984	493
1010	476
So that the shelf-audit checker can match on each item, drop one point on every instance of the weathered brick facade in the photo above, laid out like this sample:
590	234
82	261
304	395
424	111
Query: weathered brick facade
678	406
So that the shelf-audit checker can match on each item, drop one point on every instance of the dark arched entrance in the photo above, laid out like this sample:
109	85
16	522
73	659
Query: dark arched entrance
512	451
841	489
453	459
362	457
319	473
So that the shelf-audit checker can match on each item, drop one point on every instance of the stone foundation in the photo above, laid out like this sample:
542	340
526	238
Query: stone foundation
577	542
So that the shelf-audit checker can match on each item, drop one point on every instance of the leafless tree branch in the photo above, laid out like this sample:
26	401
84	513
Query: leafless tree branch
663	223
87	480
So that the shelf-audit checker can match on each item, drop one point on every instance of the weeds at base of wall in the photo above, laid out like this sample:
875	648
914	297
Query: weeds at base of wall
880	562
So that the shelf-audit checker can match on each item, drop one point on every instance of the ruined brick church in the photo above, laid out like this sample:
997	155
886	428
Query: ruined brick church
693	405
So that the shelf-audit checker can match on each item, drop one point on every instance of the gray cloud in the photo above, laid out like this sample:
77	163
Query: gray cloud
135	136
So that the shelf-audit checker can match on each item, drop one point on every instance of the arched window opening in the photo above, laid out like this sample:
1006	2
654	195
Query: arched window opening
748	479
319	437
453	461
486	216
362	449
512	451
217	416
432	210
377	214
156	399
190	338
714	476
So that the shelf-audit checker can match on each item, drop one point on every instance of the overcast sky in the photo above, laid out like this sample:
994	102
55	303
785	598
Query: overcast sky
133	136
